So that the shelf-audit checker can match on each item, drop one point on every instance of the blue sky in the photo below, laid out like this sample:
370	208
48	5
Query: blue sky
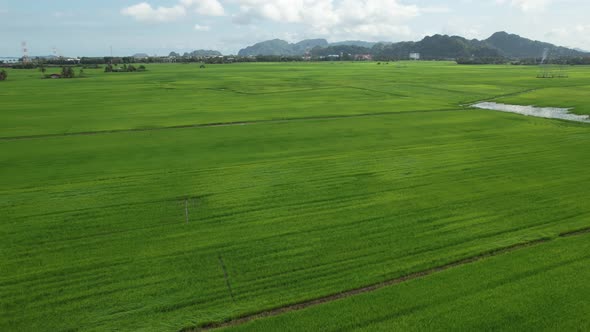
156	27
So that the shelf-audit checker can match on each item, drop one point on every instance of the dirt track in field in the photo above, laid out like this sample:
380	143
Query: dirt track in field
219	124
374	287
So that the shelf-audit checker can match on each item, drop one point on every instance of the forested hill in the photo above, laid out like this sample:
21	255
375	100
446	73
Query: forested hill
436	47
281	47
500	44
515	46
197	53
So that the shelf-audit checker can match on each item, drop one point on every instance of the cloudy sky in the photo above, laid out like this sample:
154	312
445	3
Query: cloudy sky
91	27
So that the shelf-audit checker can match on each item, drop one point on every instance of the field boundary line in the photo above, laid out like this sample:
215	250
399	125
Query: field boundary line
514	94
578	232
305	90
470	102
226	277
186	210
224	124
367	289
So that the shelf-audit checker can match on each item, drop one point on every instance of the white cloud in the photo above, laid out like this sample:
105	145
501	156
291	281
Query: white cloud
435	10
205	7
145	12
570	36
583	28
377	19
527	5
354	18
64	14
199	27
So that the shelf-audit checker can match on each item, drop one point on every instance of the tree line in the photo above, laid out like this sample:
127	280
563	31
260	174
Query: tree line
563	61
124	69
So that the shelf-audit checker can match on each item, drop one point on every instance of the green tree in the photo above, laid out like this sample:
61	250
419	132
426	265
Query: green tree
67	72
3	75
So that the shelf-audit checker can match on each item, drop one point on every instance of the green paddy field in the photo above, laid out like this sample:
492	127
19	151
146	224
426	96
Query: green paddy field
183	198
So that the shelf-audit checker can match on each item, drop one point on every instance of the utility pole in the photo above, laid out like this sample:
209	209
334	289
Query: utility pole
25	52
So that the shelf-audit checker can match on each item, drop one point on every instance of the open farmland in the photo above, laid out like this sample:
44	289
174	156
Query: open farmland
512	292
180	197
180	95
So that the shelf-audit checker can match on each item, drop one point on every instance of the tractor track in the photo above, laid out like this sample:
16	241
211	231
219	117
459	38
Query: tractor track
461	107
220	124
367	289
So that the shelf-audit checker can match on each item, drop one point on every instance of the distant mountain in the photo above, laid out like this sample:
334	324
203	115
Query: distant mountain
499	45
515	46
358	43
140	55
269	47
306	45
343	49
202	53
436	47
47	57
281	47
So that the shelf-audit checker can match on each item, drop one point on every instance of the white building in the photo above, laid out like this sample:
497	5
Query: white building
10	60
414	56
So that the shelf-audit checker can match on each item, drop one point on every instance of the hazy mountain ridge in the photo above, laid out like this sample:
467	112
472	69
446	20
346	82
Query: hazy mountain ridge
281	47
358	43
197	53
515	46
437	47
500	44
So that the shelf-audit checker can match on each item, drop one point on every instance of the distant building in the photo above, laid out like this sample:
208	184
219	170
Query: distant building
414	56
143	56
10	60
363	57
